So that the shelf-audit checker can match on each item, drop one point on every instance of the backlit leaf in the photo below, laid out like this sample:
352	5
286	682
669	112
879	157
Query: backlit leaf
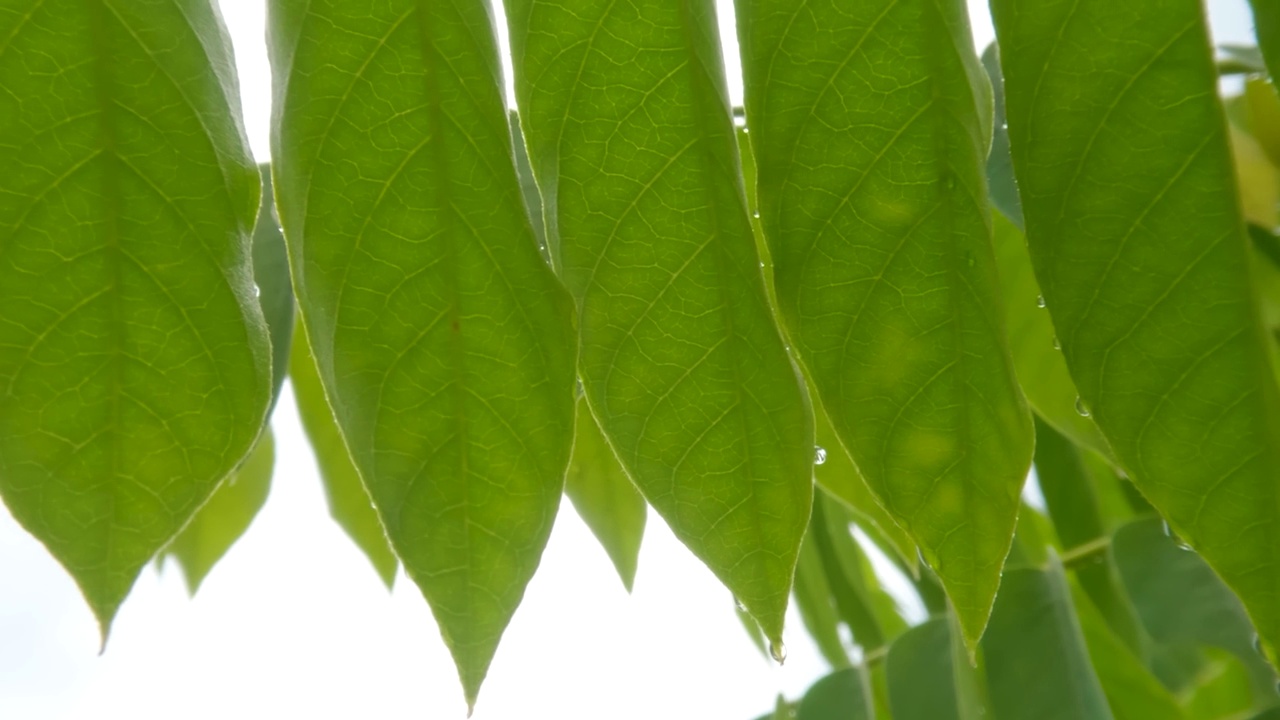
1135	233
1266	21
629	130
272	284
225	517
870	123
923	676
442	338
814	602
134	360
604	496
348	501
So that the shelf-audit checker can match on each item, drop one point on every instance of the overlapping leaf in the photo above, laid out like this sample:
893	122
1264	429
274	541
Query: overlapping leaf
870	124
134	361
223	519
842	695
443	340
348	501
604	496
1266	20
1136	237
624	109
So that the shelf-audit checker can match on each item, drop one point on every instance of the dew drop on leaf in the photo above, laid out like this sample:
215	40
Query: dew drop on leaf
1057	345
778	651
819	455
1080	408
1039	301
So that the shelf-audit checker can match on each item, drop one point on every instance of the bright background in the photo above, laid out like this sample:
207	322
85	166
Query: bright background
294	623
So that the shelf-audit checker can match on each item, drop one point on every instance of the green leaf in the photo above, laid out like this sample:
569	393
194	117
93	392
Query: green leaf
1221	689
1002	186
920	673
813	600
629	130
345	493
1036	661
1133	693
1182	602
1240	59
272	284
840	477
870	124
443	340
1069	494
1136	237
851	601
843	695
134	360
604	496
225	517
1266	21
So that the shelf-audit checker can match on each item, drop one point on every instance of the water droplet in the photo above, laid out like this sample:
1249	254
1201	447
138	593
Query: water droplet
1004	126
778	651
577	391
745	129
1080	408
819	455
257	291
1039	301
1168	531
756	214
741	607
1057	345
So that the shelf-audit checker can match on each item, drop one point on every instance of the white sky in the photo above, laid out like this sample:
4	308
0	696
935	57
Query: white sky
294	623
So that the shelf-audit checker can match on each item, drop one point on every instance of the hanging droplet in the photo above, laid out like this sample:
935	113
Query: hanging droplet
1039	301
778	651
1057	344
257	291
819	455
1080	408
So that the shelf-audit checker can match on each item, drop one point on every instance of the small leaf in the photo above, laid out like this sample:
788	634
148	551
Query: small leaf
843	695
813	600
224	518
1181	601
1133	693
443	340
1135	234
604	496
922	675
1036	661
134	361
631	139
348	501
870	123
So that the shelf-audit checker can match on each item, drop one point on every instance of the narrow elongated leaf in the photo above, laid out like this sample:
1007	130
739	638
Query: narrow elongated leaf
815	604
272	284
1181	602
631	138
443	340
1136	237
225	517
1069	494
134	361
870	124
604	496
852	604
1266	21
1133	693
843	695
1036	661
349	502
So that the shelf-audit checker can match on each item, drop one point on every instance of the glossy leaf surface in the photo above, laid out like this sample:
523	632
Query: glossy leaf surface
870	124
604	496
1136	237
349	503
442	338
134	361
631	139
1036	661
225	517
